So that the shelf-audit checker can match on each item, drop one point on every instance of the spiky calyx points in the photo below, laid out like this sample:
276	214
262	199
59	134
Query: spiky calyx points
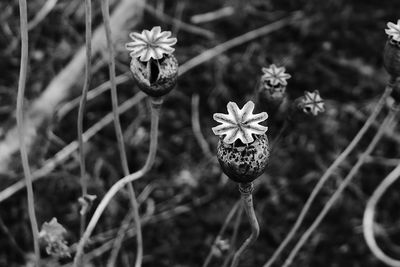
153	44
240	124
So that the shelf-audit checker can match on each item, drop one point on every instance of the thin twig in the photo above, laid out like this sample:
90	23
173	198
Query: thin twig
122	231
388	120
232	242
221	232
197	128
328	174
41	15
118	131
82	106
11	239
68	150
369	214
121	183
43	108
183	25
213	15
92	94
21	126
249	36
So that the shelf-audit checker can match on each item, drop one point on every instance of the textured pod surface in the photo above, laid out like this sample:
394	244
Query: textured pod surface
244	163
391	58
155	77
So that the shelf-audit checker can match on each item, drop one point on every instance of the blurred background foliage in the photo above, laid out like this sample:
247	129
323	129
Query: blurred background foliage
336	48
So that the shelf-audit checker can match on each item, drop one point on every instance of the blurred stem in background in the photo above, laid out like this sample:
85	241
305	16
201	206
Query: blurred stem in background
339	160
82	107
369	214
156	105
21	127
117	125
364	156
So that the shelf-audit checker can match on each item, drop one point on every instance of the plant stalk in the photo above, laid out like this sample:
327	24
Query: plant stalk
82	106
21	127
246	190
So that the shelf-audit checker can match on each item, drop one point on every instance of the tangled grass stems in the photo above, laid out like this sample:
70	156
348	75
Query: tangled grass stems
364	156
228	219
247	202
21	127
117	125
121	183
82	105
234	237
328	174
369	214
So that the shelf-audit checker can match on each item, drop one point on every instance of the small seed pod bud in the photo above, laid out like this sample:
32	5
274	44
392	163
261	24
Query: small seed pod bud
153	66
310	103
243	149
391	52
272	90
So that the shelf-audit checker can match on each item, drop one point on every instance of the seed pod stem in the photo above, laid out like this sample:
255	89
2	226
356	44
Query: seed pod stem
246	190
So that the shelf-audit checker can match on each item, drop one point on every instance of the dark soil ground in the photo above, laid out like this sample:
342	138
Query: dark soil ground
336	48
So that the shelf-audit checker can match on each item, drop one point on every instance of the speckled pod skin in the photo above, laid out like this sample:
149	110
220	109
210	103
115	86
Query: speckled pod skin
391	58
244	163
165	80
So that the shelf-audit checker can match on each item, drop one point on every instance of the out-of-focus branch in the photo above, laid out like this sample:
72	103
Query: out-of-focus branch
61	86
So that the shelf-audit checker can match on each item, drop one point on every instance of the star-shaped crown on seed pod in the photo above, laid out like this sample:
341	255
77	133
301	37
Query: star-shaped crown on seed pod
275	75
240	123
312	103
150	44
393	31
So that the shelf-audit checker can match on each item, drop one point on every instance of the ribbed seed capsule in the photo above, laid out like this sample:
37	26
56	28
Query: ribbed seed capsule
155	77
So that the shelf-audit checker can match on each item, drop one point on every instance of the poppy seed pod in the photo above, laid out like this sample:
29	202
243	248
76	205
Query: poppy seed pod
272	90
391	53
243	163
155	77
153	66
243	149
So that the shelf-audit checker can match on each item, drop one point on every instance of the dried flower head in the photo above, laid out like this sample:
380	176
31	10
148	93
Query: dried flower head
312	103
275	75
52	234
151	44
393	31
240	123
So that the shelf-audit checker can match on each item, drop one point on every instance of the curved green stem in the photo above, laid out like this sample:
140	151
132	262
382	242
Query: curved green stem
21	127
388	120
369	214
82	106
328	173
247	200
156	105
